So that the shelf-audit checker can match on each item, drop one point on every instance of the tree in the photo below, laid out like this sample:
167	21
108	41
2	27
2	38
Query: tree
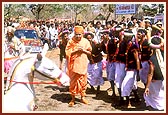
76	8
107	9
36	9
52	11
161	8
150	10
7	10
14	10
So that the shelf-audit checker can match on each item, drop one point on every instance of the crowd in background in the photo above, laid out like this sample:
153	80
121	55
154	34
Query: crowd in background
124	48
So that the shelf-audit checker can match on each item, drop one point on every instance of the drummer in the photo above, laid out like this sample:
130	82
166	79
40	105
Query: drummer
155	80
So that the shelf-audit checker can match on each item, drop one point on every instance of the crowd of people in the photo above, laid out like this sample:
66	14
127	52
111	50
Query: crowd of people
130	50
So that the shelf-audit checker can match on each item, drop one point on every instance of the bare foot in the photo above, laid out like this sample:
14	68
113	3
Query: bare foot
84	101
130	106
71	103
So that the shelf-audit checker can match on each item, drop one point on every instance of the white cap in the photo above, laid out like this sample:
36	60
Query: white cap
10	29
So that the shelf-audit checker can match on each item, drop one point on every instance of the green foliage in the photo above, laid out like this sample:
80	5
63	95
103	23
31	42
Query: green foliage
51	11
161	8
85	12
153	9
76	8
14	10
36	9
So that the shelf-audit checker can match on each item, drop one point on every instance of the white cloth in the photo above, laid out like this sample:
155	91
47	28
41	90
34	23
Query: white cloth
95	74
119	74
110	69
47	35
161	62
45	49
97	37
128	83
156	97
16	42
53	33
143	72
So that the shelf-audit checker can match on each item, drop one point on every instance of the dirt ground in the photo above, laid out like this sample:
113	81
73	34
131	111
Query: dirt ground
51	98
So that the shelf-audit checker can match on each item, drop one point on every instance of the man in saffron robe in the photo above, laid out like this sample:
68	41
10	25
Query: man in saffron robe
77	51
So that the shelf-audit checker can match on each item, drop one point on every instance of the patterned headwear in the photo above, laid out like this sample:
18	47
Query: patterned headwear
79	29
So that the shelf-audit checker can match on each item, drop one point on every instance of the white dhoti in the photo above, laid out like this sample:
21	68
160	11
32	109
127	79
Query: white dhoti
119	74
110	69
128	83
143	72
156	97
95	74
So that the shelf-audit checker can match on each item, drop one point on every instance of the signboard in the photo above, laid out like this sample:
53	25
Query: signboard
125	9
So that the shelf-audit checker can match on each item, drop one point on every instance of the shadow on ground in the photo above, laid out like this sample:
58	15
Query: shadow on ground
114	100
64	98
60	88
62	95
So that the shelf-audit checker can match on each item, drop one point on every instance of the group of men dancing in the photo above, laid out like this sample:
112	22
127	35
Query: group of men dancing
132	54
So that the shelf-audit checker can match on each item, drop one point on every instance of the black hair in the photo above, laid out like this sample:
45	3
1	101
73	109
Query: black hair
142	31
98	22
130	24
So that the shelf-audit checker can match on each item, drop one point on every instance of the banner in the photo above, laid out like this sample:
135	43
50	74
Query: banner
125	9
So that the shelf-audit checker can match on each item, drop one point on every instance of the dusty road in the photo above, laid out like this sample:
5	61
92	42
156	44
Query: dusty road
51	98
